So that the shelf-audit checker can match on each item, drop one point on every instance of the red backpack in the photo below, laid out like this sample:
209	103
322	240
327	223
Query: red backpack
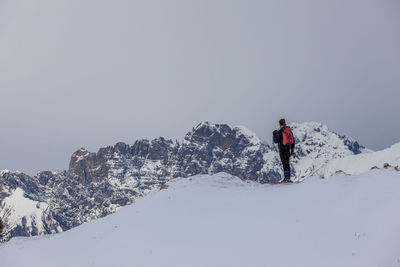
287	136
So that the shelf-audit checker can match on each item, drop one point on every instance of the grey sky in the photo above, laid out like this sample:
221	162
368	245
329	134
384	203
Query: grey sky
91	73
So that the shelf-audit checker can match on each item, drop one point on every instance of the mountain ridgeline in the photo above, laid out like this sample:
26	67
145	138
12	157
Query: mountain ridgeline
97	184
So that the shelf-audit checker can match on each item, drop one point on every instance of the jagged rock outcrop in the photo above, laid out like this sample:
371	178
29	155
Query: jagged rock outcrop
97	184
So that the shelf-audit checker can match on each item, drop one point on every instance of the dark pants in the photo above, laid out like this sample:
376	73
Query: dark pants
284	153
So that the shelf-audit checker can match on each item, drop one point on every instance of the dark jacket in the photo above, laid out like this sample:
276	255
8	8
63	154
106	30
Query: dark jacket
278	139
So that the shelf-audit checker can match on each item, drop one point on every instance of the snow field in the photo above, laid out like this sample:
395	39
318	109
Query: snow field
222	221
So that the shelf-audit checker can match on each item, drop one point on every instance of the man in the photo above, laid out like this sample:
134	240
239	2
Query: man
284	138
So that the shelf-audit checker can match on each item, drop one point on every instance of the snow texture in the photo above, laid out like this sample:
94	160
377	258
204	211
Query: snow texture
221	220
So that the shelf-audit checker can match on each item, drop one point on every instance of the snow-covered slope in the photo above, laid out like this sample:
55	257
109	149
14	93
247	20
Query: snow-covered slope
221	221
356	164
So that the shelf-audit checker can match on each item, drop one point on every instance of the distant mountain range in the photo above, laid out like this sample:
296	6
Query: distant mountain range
97	184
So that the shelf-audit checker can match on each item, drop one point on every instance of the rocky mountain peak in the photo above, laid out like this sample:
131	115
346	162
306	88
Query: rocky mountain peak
222	136
219	135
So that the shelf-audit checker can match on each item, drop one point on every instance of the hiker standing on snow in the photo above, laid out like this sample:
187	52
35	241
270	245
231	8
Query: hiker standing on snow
284	138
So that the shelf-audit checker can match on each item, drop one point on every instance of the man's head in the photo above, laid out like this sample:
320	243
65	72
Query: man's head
282	122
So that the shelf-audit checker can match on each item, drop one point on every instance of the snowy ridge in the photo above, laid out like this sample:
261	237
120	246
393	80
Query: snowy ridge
357	164
339	221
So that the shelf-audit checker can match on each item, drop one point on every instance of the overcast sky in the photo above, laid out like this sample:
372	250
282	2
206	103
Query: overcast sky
95	72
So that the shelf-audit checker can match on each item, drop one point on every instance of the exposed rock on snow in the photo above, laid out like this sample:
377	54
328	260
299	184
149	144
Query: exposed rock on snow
23	216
